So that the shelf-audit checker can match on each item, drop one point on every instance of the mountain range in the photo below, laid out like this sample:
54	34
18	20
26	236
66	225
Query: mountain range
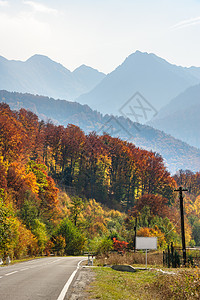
177	154
40	75
153	78
156	80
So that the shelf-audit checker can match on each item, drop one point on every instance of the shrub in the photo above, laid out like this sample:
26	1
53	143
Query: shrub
101	245
74	239
39	230
119	246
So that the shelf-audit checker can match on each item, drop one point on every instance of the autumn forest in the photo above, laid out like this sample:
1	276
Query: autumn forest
65	192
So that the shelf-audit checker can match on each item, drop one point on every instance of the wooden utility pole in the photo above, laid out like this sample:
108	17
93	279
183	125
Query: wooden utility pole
181	190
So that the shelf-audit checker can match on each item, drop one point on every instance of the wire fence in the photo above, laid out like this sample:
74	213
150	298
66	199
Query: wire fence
173	257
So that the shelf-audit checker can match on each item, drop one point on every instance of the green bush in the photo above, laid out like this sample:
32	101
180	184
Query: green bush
8	230
74	239
101	245
39	230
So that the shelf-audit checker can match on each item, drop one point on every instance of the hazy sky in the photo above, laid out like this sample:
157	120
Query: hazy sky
100	33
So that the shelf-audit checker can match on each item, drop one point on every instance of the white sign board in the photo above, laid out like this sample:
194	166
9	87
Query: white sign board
144	243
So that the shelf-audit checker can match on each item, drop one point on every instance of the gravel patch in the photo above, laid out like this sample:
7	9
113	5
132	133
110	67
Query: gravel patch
79	287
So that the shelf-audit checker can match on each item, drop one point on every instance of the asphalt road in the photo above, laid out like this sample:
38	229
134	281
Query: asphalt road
37	279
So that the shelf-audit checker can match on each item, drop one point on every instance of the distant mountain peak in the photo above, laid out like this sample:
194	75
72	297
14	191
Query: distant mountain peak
138	52
38	57
141	55
84	67
91	77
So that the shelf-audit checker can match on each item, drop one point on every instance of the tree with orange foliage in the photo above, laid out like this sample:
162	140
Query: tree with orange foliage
49	201
153	232
13	137
3	175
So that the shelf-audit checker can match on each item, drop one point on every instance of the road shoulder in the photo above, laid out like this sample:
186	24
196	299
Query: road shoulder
79	288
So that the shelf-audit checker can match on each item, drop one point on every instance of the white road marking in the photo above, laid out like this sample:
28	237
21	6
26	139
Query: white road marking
31	267
67	285
30	262
51	262
11	273
54	261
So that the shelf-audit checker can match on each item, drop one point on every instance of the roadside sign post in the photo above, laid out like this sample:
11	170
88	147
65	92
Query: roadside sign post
135	229
146	259
146	243
90	259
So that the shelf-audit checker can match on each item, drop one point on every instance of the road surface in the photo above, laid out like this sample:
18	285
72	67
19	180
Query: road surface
37	279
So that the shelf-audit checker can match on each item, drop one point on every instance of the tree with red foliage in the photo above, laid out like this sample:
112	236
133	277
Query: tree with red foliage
119	246
157	204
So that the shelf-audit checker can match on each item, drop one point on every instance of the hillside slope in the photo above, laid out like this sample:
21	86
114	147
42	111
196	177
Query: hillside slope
177	154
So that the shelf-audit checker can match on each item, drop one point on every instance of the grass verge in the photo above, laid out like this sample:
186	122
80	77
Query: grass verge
115	285
110	284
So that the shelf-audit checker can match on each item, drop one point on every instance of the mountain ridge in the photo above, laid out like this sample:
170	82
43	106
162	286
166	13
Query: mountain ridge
157	80
41	75
180	117
153	77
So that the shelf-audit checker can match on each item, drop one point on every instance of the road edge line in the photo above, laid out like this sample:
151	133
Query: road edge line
69	281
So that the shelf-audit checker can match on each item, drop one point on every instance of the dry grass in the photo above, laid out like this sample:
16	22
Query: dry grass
184	285
154	259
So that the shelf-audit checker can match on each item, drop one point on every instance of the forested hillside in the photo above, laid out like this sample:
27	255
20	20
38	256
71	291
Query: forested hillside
176	154
39	161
